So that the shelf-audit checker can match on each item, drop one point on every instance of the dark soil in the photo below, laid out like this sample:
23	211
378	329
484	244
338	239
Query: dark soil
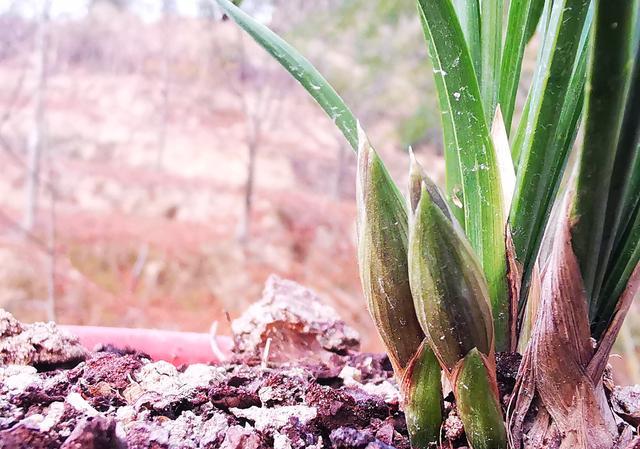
115	400
296	380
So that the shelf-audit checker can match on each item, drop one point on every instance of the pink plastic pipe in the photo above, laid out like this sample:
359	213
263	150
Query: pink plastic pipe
177	348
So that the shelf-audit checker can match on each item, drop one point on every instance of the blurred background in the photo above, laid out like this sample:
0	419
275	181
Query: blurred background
157	166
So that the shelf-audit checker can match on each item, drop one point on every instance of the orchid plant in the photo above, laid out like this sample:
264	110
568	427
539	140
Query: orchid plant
522	251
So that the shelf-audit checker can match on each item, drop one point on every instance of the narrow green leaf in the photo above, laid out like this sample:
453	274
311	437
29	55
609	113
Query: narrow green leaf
636	38
518	139
624	260
523	18
624	180
472	174
300	68
553	102
469	15
449	291
382	257
491	42
477	402
534	18
423	401
609	73
622	224
632	198
544	25
630	138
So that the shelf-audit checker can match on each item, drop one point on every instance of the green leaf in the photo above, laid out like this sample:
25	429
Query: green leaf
637	28
382	258
625	176
609	73
518	139
300	68
624	260
632	197
534	18
423	398
622	222
630	139
476	393
468	12
449	291
551	115
473	180
491	41
523	18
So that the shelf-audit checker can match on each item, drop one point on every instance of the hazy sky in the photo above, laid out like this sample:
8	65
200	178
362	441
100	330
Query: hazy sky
147	9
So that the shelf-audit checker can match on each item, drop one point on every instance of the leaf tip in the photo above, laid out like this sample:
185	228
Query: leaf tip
363	140
416	181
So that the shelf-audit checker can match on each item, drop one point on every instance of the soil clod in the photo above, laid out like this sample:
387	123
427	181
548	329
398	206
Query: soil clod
330	396
39	344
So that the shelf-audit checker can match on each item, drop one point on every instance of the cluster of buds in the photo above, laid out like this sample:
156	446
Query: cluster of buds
427	295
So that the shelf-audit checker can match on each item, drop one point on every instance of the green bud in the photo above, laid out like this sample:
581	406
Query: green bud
423	398
476	393
418	178
382	256
448	286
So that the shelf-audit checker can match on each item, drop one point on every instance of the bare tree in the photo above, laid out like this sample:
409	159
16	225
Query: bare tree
167	11
260	96
51	249
37	138
13	99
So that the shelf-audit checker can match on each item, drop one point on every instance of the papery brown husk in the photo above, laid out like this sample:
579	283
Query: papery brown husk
559	399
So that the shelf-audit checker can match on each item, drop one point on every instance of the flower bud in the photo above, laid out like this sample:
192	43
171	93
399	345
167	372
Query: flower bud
448	285
382	256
